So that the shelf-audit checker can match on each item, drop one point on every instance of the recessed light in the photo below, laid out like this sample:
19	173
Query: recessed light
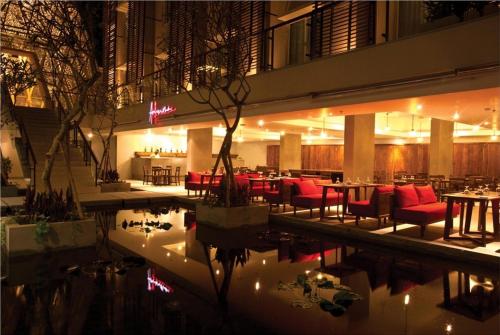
260	123
419	107
282	132
456	116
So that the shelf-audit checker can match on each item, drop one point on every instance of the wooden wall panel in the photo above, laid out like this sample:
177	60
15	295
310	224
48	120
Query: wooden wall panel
273	155
468	158
327	157
476	159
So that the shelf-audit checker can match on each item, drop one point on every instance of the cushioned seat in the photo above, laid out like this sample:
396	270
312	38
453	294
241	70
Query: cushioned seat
307	194
377	207
362	208
281	194
425	214
418	205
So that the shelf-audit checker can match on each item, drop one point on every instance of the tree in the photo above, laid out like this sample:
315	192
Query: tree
16	75
65	49
217	74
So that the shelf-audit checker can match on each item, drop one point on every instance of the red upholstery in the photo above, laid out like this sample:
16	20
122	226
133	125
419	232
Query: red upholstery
425	194
306	187
424	214
302	178
253	175
194	177
273	197
362	208
314	200
406	196
276	196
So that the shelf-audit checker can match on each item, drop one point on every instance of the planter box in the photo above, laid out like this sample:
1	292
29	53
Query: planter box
62	235
9	191
232	217
115	187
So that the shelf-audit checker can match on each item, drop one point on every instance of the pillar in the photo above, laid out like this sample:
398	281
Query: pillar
199	149
290	151
441	148
359	146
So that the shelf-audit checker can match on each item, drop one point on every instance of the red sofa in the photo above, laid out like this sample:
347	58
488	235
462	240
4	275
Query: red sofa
281	194
379	205
257	189
418	205
193	182
307	194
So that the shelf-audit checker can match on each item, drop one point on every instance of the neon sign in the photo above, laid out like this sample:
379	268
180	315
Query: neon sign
155	113
154	283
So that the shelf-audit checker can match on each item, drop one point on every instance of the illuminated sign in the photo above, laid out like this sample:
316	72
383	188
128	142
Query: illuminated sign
155	283
155	113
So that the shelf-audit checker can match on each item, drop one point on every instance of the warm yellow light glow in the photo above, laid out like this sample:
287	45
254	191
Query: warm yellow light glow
143	245
310	128
260	123
257	286
263	262
319	258
282	132
308	272
494	137
240	139
185	260
448	328
90	135
217	272
309	141
323	134
476	127
412	133
399	141
168	254
407	299
420	139
456	116
387	128
419	107
319	276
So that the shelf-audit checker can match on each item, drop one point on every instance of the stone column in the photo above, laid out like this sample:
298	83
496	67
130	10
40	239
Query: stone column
441	148
199	149
290	151
359	146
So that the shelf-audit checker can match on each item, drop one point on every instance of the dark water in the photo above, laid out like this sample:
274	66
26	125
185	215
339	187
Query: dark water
200	280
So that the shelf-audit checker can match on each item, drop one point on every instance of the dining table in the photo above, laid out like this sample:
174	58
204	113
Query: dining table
160	175
467	201
344	189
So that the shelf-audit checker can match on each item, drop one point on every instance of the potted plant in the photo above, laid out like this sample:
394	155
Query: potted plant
8	190
48	221
112	182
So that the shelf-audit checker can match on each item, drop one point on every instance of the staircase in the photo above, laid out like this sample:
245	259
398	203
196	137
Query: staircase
41	127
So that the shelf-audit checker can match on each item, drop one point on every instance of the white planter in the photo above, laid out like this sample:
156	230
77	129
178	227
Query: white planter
232	217
20	239
115	187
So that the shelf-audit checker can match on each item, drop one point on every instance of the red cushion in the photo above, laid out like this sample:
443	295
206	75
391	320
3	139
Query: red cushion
406	196
253	175
424	214
379	190
314	200
362	208
194	176
289	181
306	187
302	178
426	194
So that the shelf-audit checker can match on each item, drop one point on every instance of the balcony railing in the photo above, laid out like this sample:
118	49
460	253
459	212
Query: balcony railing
331	29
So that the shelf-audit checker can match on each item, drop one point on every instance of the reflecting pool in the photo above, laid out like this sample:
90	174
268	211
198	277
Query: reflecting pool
158	271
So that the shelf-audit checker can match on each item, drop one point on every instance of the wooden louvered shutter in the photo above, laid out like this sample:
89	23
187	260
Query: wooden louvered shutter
109	62
135	42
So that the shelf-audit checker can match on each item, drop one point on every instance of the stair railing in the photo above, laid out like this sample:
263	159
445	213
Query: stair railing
77	137
28	151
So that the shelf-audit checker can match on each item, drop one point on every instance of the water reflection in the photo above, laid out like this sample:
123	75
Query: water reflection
228	281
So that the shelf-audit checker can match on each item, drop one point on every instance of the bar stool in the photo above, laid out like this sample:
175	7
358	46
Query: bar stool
147	176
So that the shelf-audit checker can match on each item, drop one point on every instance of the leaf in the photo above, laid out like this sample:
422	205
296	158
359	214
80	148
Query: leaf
333	308
302	279
344	295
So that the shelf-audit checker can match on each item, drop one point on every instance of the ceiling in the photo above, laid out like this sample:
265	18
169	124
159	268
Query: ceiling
475	113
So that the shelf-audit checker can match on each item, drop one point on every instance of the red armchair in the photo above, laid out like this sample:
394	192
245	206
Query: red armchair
418	205
194	181
281	194
257	189
379	205
307	194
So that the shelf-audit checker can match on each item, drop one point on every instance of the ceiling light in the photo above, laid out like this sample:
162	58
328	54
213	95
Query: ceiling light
476	127
260	123
456	116
419	107
387	128
282	132
310	128
90	135
486	123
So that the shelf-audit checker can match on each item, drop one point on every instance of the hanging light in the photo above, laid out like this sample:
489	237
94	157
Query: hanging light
456	116
412	133
260	123
420	138
323	132
387	128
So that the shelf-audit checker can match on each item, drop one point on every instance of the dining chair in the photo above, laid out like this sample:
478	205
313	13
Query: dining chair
147	176
177	175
